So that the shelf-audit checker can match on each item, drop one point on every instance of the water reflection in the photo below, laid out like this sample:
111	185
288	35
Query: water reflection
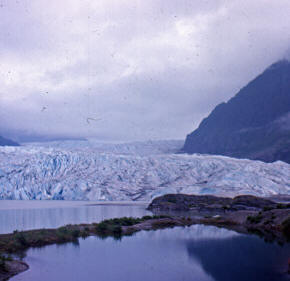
240	258
199	253
24	219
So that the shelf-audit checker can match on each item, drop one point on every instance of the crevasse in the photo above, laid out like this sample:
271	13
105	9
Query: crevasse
88	170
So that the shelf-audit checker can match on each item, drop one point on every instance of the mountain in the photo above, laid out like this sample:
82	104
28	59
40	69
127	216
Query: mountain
4	141
254	124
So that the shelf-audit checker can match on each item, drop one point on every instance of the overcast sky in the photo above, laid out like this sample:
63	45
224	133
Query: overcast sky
130	70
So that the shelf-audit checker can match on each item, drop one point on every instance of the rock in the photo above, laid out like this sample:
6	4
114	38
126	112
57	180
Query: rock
209	203
12	268
245	213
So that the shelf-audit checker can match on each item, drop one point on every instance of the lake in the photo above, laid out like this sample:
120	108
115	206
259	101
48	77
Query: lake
25	215
196	253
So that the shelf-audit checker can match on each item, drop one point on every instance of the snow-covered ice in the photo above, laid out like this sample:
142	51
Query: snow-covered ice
89	170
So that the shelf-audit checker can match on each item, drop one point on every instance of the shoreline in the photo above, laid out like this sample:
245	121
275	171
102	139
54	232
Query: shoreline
49	204
12	268
243	214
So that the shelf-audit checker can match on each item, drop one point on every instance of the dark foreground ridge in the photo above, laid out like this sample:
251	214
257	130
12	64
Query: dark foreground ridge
245	214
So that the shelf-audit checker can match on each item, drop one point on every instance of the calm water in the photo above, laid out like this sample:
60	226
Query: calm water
24	215
196	253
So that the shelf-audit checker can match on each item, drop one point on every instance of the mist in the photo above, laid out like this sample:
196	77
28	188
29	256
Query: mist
129	70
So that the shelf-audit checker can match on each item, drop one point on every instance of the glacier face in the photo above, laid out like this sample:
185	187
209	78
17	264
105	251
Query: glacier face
88	170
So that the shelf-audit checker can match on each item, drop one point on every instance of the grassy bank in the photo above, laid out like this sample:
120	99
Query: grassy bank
21	240
261	223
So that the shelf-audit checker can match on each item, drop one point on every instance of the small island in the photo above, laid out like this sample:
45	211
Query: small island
244	214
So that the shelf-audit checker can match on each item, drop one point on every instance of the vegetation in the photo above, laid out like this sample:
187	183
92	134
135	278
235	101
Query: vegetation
172	200
3	260
255	219
286	228
21	240
117	227
267	208
163	224
226	207
113	227
268	222
2	263
283	206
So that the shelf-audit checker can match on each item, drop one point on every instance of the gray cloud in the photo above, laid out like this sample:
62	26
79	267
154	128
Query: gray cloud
136	69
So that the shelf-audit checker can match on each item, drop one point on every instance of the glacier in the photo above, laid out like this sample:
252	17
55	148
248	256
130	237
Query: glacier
91	170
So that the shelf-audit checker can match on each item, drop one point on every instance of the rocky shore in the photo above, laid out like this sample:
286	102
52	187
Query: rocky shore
9	268
245	214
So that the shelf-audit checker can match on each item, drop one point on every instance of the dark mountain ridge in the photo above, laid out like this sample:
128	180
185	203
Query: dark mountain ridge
8	142
254	124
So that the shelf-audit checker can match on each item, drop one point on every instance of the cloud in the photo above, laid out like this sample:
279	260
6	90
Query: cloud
138	69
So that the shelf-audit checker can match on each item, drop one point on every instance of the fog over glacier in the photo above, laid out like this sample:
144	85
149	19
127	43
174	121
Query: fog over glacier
129	70
123	71
89	170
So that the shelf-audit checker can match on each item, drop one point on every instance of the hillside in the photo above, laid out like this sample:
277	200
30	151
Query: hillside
7	142
254	124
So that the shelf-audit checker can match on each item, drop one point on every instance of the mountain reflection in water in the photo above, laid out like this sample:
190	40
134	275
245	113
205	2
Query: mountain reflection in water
196	253
240	258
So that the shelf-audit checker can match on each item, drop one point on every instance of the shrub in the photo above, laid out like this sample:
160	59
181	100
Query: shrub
84	234
160	217
62	233
102	227
286	228
267	208
117	230
75	233
226	207
145	218
172	200
127	221
268	222
20	238
3	260
283	206
273	217
255	219
63	230
2	264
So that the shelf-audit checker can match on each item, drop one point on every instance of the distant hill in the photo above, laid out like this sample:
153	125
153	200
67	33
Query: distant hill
254	124
4	141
